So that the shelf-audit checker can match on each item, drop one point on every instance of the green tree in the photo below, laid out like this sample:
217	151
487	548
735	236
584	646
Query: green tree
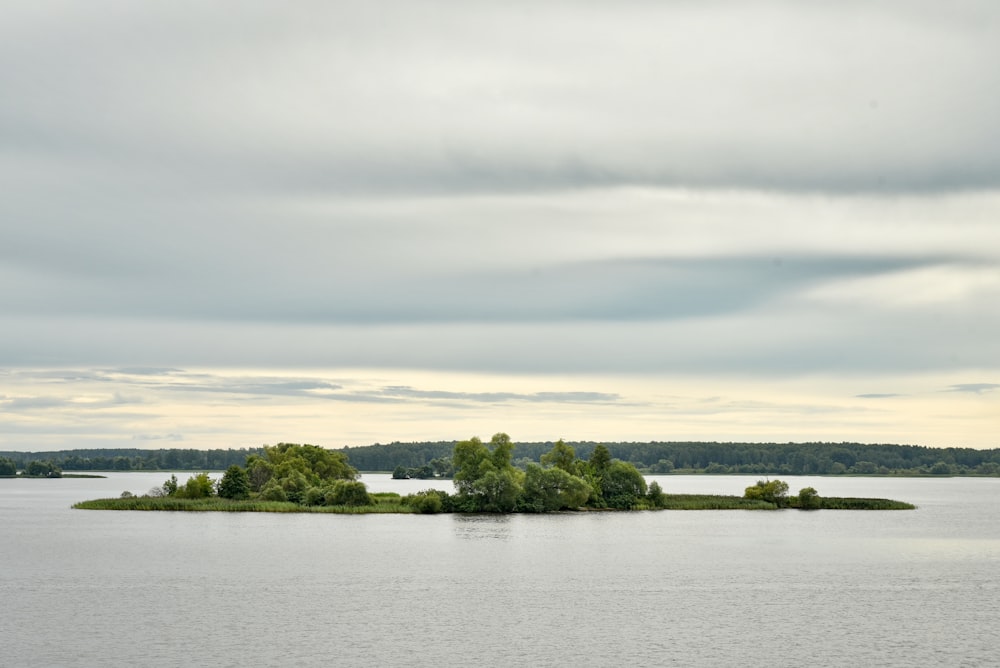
235	483
808	499
622	486
561	456
348	493
485	479
42	469
655	496
170	486
259	472
552	489
7	466
198	486
599	460
772	491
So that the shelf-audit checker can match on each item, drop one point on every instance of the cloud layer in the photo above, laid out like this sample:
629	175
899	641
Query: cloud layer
758	190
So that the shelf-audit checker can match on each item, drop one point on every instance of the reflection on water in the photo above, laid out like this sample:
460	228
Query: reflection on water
482	527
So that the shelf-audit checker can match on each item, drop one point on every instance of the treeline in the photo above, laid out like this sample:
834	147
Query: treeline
132	459
721	458
649	457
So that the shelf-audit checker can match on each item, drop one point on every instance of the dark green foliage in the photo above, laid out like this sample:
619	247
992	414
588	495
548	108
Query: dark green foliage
259	472
347	493
551	489
42	469
273	491
134	459
729	458
425	472
7	466
485	479
235	483
622	486
561	456
314	496
428	502
655	497
808	499
170	486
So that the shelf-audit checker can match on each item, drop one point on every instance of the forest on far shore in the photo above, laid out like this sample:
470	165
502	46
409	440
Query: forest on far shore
432	459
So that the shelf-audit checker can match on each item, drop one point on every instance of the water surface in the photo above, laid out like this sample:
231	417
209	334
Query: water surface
683	588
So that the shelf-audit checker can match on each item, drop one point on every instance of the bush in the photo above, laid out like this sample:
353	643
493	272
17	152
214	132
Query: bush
771	491
428	502
273	492
198	486
808	499
655	496
347	493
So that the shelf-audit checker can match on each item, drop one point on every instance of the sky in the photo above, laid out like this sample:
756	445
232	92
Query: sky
230	224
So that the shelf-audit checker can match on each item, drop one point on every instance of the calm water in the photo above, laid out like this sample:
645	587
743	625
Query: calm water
709	588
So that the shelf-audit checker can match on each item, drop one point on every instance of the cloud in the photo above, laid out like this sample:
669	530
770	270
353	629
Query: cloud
974	388
763	95
501	397
157	437
769	190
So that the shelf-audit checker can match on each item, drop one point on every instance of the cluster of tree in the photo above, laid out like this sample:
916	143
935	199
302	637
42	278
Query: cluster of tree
486	480
36	468
776	492
722	458
133	459
439	467
8	467
305	474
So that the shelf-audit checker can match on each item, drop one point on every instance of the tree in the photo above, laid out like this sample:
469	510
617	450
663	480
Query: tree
42	469
485	479
599	460
561	456
259	472
622	485
552	489
348	493
7	466
170	485
771	491
808	499
655	496
198	486
235	483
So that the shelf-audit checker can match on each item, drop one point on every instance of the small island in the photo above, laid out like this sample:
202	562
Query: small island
306	478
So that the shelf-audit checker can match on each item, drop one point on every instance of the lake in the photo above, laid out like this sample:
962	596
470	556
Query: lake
668	588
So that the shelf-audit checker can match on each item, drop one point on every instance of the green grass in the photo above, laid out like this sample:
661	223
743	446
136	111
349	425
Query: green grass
215	504
713	502
845	503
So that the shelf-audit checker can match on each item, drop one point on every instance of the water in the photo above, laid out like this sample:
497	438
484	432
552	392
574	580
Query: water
673	588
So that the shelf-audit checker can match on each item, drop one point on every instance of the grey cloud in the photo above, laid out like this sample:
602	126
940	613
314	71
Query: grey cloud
158	437
773	95
974	388
502	397
878	395
613	289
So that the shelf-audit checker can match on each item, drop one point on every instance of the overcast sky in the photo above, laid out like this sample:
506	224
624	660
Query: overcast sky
233	223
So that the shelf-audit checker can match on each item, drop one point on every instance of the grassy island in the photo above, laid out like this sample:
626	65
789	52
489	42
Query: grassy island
309	479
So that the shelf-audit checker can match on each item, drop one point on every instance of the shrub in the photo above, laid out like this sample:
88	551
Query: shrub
427	502
808	499
347	493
